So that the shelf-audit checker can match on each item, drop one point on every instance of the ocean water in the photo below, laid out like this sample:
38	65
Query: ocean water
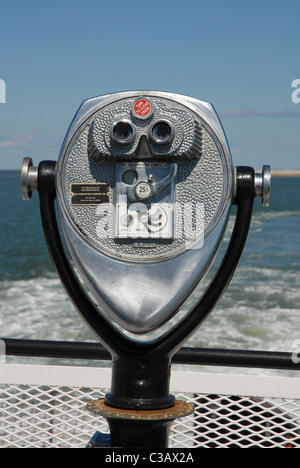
260	309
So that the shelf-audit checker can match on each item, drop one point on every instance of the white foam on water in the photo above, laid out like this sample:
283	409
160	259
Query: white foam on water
258	311
39	309
259	306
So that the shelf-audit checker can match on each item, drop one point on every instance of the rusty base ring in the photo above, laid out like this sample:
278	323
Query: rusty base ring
179	410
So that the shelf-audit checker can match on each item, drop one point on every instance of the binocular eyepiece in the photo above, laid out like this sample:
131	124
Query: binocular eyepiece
123	133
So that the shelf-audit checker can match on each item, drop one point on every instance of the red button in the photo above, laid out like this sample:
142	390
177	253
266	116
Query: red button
142	107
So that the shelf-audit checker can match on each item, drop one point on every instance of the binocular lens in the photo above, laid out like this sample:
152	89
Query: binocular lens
162	133
123	132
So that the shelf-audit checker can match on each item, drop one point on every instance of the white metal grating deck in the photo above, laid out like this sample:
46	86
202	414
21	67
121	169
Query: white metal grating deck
39	415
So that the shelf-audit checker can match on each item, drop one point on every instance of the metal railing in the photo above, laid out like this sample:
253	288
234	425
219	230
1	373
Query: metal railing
186	355
46	406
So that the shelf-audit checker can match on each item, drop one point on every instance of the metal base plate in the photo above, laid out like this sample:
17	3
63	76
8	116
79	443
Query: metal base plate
179	410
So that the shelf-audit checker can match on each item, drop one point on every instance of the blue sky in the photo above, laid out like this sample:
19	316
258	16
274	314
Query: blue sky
242	56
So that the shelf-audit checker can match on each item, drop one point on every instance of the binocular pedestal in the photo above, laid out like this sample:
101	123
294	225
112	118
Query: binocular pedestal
144	185
139	407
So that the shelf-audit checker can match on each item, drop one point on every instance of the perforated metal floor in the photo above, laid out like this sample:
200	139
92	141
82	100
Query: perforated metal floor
56	417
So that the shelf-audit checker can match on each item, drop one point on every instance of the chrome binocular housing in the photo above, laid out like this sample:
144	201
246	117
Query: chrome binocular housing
144	185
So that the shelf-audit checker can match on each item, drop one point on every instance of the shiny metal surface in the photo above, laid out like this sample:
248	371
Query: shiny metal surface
29	176
140	296
263	185
133	192
140	282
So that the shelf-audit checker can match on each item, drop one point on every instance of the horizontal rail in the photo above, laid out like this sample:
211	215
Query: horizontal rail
260	386
186	355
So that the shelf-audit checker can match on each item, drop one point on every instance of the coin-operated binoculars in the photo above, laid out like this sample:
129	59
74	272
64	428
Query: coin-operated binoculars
144	185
